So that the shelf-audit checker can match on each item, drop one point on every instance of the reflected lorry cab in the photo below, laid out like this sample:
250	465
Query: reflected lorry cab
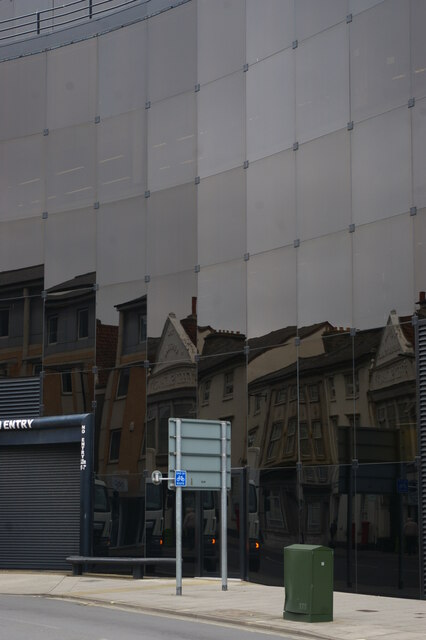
102	519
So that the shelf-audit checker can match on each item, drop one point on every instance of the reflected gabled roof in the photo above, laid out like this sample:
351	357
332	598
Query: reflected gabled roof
23	276
365	344
84	281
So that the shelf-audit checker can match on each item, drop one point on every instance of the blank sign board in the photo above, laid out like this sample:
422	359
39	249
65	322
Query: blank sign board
200	453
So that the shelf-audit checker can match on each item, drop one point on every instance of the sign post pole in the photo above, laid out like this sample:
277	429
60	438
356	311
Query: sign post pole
223	513
178	512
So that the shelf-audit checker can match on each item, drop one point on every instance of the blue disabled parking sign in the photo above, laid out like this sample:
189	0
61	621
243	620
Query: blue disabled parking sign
180	478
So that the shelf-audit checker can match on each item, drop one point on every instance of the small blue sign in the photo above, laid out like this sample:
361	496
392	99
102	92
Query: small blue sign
180	478
402	485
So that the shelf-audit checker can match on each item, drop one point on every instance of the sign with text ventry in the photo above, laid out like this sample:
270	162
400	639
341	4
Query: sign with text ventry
16	424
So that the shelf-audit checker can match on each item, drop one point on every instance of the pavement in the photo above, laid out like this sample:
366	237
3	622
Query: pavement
245	604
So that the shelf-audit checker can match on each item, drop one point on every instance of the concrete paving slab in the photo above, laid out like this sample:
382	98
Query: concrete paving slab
356	617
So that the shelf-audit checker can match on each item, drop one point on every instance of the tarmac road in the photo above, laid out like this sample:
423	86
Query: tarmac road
38	618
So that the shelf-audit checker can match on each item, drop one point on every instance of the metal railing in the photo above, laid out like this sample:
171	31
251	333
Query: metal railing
48	20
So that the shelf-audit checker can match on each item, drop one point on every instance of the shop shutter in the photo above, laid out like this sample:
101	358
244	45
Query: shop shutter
421	425
20	397
39	506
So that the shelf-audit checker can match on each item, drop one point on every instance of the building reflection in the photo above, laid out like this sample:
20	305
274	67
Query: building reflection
323	424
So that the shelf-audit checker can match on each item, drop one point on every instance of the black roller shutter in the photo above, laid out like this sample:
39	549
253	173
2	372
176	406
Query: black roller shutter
39	505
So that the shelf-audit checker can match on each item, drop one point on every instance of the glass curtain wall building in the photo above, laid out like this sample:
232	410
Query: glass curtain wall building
219	211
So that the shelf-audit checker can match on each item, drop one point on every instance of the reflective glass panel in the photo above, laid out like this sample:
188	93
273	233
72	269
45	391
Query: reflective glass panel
313	17
418	48
222	297
218	57
221	222
121	241
71	159
222	389
356	6
270	122
322	83
419	153
419	250
221	124
171	142
121	156
71	84
172	69
22	177
385	392
270	28
381	147
271	291
25	81
385	529
325	280
323	188
279	522
326	399
123	70
169	297
171	230
21	324
21	244
70	246
69	346
380	59
383	271
271	206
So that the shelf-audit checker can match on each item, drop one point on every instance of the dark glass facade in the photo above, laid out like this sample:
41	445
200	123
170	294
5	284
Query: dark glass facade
205	215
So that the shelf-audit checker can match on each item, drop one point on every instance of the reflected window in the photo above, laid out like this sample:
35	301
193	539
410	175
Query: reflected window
52	330
293	392
37	369
66	381
281	396
83	323
275	514
123	383
205	393
4	323
257	402
331	388
274	441
252	437
228	384
318	439
313	393
351	384
354	420
305	449
291	437
142	328
314	517
114	445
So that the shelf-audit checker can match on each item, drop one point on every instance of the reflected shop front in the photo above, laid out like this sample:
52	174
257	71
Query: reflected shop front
230	228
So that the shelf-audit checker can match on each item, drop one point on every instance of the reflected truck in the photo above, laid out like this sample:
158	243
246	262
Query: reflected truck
102	519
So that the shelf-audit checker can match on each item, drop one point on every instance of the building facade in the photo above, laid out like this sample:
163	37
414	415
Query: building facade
217	209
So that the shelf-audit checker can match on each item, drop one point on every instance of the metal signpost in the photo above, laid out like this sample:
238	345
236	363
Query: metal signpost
199	459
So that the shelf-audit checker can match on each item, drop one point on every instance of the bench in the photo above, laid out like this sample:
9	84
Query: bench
85	564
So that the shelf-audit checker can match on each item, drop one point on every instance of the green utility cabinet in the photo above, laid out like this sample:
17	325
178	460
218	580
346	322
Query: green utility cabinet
308	583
